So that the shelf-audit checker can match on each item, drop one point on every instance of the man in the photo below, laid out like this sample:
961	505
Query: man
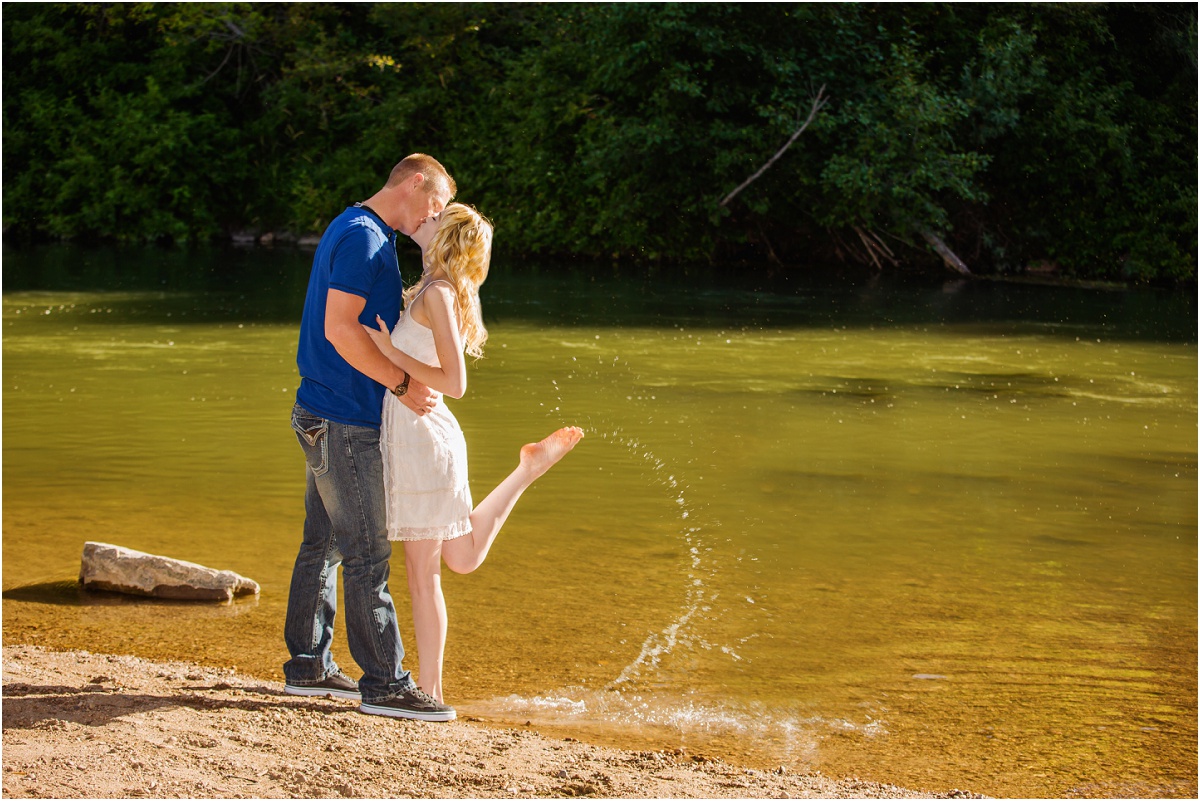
355	276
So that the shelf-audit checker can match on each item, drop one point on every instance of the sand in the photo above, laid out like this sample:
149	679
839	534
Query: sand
83	725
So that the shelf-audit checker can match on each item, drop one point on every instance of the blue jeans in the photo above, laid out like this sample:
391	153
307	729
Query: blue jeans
345	523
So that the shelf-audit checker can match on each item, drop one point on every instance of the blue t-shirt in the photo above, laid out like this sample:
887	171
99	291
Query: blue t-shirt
357	254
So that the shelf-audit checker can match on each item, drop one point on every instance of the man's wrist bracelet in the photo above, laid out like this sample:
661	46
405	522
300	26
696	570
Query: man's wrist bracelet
402	387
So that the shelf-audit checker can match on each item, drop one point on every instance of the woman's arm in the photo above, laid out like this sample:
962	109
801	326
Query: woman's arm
451	377
344	333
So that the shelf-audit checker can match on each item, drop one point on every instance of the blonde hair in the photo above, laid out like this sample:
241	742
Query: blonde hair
462	249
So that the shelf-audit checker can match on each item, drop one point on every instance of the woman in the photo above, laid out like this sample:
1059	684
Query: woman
425	457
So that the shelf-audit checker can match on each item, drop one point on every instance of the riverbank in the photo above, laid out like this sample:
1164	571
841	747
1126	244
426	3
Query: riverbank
82	725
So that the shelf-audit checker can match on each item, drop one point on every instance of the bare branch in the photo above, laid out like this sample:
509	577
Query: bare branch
875	247
870	250
221	66
818	103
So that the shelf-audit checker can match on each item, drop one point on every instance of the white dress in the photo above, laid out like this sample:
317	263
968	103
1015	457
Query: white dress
424	458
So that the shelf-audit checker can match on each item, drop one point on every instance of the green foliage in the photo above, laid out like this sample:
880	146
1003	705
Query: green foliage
1089	170
1020	134
105	137
899	156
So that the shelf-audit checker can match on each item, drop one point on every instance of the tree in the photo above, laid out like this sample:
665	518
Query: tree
1008	135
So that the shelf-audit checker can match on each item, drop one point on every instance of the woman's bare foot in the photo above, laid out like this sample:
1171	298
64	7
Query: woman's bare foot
538	457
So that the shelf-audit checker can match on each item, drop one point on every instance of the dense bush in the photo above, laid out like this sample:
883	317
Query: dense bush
1020	134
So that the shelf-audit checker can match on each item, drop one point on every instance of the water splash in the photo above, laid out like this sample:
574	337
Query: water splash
697	596
783	734
680	631
639	697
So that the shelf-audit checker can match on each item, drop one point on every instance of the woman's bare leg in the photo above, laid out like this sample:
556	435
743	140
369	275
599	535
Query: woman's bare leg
464	554
423	560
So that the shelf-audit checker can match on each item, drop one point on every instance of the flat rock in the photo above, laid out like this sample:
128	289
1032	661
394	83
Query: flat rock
117	569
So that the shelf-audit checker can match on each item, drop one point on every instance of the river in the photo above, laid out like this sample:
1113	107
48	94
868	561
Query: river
934	534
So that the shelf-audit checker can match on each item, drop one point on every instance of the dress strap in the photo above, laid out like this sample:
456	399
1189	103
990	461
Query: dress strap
431	283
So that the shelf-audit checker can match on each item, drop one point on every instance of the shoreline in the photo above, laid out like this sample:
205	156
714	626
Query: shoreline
83	725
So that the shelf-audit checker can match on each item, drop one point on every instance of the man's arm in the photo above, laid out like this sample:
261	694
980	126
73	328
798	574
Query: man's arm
352	343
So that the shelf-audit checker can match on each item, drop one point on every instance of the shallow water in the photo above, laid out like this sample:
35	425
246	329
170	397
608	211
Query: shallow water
934	536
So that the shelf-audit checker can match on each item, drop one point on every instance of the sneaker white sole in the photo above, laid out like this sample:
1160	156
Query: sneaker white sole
319	692
392	712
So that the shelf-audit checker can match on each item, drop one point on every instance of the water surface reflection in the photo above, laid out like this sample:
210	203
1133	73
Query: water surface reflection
931	535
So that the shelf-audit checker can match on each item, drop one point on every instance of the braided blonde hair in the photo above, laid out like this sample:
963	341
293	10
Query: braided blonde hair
462	249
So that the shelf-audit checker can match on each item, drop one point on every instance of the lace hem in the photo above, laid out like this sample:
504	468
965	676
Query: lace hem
443	533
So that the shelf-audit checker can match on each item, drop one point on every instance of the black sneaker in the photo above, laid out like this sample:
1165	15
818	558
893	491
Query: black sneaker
413	704
336	685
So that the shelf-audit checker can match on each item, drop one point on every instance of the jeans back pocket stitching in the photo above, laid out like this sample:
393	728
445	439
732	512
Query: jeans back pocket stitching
314	436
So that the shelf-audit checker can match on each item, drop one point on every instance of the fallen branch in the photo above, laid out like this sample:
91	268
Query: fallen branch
875	247
948	255
818	103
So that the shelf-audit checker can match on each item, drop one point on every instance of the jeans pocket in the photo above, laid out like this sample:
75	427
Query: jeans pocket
313	435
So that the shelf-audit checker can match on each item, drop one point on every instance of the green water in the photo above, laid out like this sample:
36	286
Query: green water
934	536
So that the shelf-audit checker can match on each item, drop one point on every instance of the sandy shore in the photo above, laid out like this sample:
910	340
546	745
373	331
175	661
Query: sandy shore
81	725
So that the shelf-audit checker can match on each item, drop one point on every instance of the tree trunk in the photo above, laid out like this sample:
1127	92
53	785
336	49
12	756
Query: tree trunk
948	255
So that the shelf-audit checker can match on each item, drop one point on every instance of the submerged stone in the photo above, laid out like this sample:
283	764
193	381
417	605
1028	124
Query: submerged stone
117	569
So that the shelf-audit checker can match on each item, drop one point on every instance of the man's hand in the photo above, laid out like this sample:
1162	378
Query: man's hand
420	398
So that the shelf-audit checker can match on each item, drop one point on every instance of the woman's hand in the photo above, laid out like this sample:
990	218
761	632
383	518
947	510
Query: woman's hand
420	398
380	336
